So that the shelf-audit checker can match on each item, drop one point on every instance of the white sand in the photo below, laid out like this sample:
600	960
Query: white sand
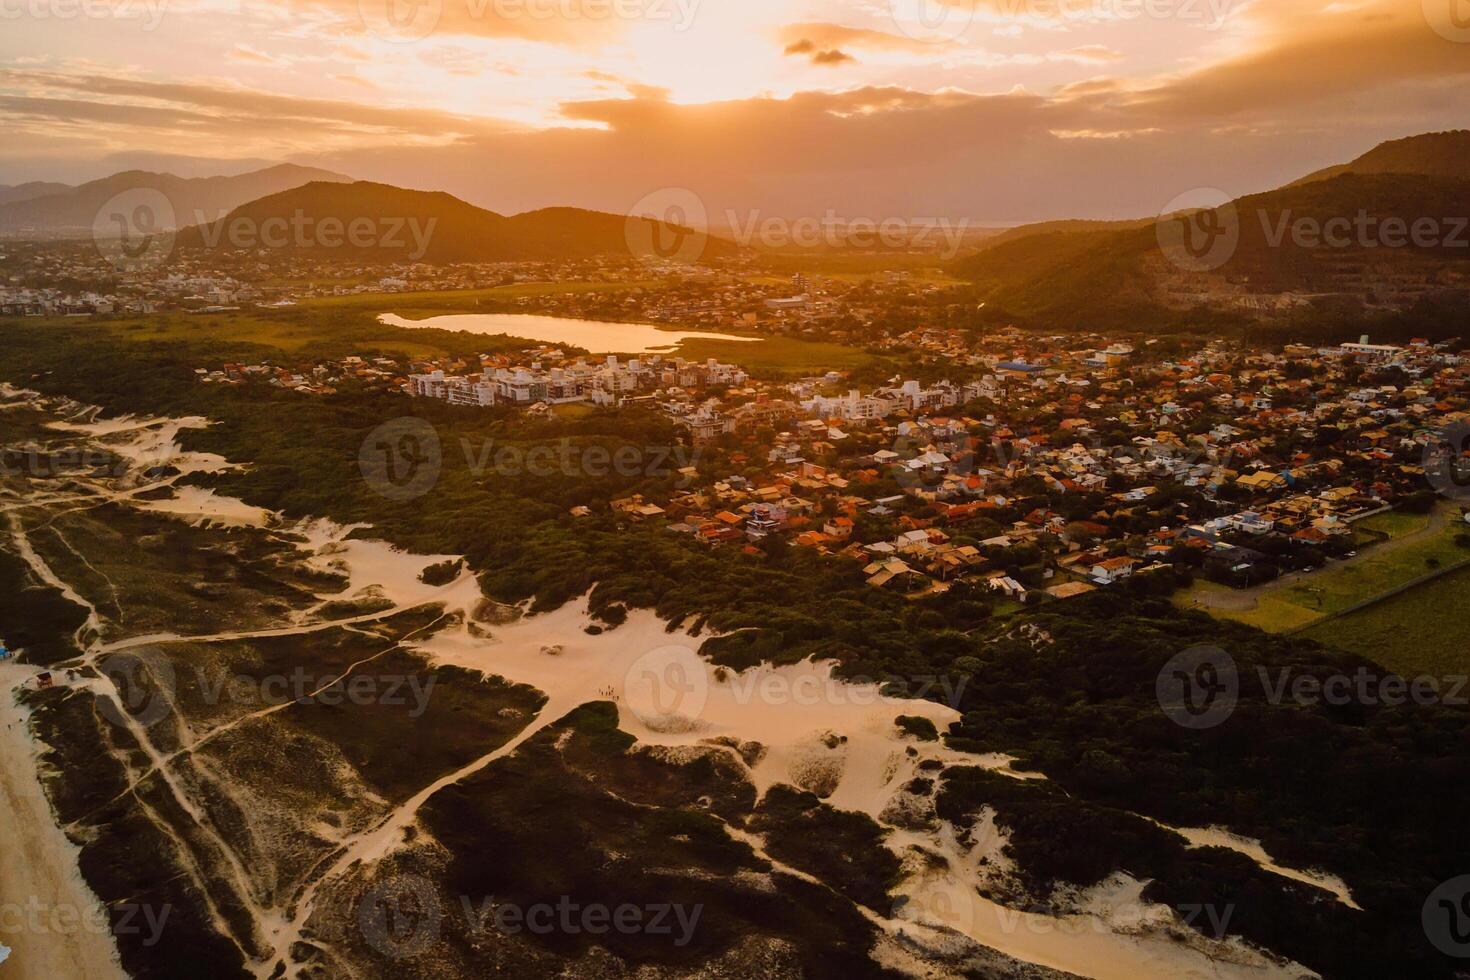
53	924
1114	935
149	442
201	506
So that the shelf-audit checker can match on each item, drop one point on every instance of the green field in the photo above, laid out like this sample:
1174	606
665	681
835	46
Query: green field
465	300
781	355
267	328
1394	523
1303	599
1271	612
1419	632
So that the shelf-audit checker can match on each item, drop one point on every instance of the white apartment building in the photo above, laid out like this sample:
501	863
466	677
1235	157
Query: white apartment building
852	406
433	385
465	391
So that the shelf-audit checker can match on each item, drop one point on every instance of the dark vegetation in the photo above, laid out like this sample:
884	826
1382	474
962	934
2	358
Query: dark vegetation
918	726
1372	793
1220	893
1375	794
843	849
126	860
557	833
37	619
1114	278
403	738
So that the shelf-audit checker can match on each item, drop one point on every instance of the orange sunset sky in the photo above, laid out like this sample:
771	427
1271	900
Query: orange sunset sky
998	111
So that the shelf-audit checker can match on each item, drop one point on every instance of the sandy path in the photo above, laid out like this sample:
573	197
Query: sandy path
54	926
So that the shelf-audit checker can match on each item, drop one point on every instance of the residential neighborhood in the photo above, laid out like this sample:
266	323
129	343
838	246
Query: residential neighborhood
1042	469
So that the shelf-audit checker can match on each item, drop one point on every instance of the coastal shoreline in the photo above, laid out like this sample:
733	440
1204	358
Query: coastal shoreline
52	923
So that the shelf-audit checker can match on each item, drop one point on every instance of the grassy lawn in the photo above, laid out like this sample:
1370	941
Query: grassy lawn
1419	632
1271	613
1350	582
1395	523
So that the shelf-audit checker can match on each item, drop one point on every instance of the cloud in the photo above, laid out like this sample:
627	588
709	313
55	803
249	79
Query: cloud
819	56
119	113
1292	86
832	56
813	36
558	22
244	52
1327	59
356	80
1088	54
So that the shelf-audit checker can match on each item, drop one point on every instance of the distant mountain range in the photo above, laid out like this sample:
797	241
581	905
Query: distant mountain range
72	211
9	194
397	225
1341	243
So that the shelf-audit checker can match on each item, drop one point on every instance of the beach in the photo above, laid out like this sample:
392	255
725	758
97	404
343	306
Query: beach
51	922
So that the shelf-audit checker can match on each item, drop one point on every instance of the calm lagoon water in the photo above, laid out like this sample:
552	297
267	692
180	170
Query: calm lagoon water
593	335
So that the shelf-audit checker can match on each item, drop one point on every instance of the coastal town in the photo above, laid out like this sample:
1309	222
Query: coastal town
849	490
1039	468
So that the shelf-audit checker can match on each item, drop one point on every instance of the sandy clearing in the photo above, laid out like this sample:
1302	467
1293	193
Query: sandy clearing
203	506
667	695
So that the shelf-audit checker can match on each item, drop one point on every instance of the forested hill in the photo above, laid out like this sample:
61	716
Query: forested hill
432	226
1278	261
1345	245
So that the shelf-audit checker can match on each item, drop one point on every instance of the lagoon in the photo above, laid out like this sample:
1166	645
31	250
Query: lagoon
597	336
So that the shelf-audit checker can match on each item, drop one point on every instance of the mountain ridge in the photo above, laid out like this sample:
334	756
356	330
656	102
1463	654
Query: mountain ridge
431	226
12	193
1280	261
75	211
